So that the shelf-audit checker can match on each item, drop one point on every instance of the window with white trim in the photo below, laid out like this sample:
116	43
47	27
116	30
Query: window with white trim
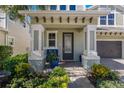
52	39
102	20
107	20
62	7
11	41
111	19
103	6
72	7
53	7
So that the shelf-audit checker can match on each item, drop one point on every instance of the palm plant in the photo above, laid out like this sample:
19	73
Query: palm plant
12	10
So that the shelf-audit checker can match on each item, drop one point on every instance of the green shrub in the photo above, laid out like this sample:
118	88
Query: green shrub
113	75
58	79
26	83
16	83
57	82
5	52
31	80
99	71
110	84
11	62
22	69
58	71
33	83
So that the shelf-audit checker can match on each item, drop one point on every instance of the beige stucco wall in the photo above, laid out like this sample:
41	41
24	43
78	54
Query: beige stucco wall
2	37
119	19
78	41
21	34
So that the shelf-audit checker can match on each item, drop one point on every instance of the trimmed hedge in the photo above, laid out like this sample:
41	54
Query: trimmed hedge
5	52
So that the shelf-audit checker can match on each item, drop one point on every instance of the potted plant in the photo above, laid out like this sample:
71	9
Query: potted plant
53	60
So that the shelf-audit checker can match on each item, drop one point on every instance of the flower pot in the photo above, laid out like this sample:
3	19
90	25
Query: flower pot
53	64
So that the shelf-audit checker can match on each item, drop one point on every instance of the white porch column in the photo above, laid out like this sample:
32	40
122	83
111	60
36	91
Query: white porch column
91	39
36	59
90	54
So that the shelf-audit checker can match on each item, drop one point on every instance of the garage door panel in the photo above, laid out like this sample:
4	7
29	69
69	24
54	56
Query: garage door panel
109	49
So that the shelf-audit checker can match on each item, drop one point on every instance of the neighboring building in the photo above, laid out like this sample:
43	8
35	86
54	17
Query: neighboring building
13	33
69	28
110	32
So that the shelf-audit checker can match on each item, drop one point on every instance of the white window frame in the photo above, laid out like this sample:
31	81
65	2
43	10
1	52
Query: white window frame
111	19
48	32
63	10
75	8
10	37
107	20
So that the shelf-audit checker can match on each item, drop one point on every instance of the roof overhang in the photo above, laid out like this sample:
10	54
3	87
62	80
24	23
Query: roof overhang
62	13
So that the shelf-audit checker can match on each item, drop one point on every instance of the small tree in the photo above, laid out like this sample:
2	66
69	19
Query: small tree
12	10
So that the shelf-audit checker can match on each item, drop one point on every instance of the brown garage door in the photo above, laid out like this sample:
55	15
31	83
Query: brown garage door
109	49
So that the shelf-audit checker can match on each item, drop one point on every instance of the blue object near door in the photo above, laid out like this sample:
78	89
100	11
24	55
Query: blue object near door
54	64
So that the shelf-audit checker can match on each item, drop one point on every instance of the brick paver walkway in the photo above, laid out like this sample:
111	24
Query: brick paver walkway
77	75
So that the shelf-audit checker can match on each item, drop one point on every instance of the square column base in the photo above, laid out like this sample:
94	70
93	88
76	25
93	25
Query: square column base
88	61
37	63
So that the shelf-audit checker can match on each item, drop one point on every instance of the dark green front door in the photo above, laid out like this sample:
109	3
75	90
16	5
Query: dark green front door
68	46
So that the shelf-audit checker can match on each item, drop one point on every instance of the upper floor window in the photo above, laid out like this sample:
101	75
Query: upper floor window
53	7
72	7
34	7
111	19
102	20
107	20
62	7
103	6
